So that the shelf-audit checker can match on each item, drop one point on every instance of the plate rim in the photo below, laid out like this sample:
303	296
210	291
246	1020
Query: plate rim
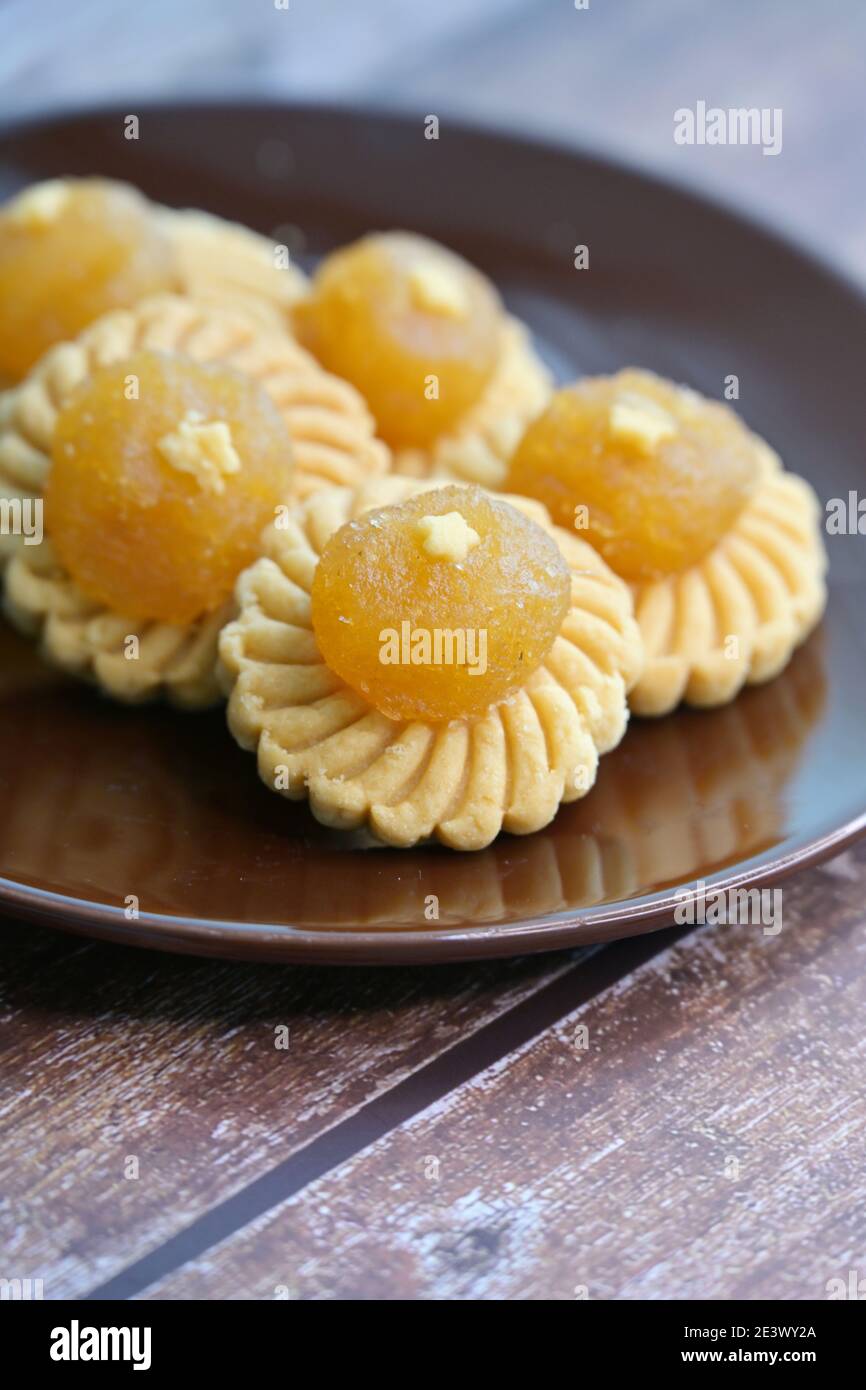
284	942
759	221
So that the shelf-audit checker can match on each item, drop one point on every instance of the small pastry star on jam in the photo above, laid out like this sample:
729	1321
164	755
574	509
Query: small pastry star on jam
721	546
429	661
454	561
449	377
156	499
160	443
72	250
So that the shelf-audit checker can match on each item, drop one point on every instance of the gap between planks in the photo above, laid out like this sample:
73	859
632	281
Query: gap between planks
594	972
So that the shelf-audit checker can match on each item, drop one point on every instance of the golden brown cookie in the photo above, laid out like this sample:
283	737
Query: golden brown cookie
330	436
461	781
451	379
722	547
73	250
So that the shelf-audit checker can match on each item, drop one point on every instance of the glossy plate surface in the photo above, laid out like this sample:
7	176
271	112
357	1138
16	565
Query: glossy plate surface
101	805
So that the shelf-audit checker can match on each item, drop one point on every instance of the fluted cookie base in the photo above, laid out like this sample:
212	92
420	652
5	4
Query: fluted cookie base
219	262
463	781
736	618
332	441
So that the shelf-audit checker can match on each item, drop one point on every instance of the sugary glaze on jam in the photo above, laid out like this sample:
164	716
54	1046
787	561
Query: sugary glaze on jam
412	325
70	251
164	472
449	566
652	474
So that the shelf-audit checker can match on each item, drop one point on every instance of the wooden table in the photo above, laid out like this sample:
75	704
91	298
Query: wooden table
677	1116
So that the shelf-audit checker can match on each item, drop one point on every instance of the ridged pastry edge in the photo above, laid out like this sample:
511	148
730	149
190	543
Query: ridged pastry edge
462	782
736	618
225	263
333	440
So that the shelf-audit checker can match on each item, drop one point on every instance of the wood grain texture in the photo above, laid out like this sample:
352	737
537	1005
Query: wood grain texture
109	1054
708	1143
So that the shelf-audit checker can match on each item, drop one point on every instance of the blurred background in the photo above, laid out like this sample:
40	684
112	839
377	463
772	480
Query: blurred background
608	76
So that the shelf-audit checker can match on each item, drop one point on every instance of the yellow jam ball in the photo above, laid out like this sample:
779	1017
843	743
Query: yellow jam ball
652	474
412	325
441	606
70	251
164	473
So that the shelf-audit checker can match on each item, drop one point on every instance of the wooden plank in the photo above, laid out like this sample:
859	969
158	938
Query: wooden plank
708	1143
108	1055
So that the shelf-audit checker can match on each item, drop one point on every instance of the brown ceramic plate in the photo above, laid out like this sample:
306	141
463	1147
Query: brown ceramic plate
99	805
